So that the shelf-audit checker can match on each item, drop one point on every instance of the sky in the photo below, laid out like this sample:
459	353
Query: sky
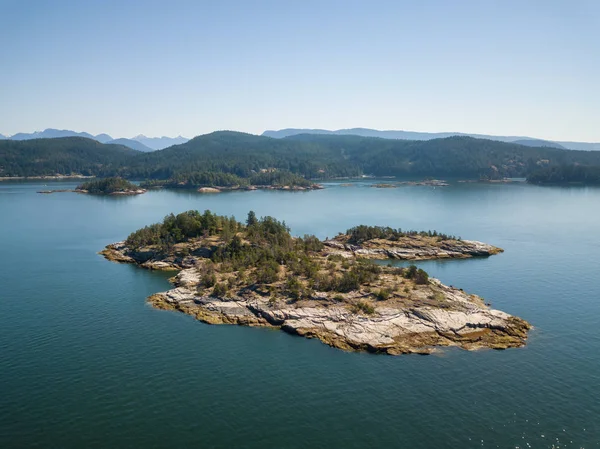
505	67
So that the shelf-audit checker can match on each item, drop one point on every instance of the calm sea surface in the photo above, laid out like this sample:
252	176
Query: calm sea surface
84	362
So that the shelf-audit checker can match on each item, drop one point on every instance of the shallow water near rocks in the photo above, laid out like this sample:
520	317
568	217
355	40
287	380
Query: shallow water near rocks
85	362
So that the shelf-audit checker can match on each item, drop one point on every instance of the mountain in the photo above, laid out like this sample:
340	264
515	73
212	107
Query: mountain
140	143
389	134
316	156
412	135
2	136
102	138
51	133
158	143
328	156
61	155
457	156
538	143
583	146
133	144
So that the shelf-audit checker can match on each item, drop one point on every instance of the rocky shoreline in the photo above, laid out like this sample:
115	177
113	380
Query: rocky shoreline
393	314
219	189
426	182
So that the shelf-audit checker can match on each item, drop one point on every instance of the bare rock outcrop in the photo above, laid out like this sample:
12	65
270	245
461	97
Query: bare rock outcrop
394	327
414	247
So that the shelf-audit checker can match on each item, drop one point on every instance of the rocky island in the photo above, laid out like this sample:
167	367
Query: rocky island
110	186
257	274
106	186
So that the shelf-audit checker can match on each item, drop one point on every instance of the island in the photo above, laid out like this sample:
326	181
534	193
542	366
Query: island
109	186
216	182
257	274
106	186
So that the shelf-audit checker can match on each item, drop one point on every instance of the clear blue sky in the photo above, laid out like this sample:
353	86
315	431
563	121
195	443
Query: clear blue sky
506	67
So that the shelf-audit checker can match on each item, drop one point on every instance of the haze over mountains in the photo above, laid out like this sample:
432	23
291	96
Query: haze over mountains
412	135
139	143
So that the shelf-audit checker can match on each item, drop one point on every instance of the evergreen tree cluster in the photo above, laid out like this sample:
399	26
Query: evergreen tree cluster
260	251
566	174
182	227
107	186
363	233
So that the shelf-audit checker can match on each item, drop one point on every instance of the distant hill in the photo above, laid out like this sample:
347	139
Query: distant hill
315	156
102	138
448	157
412	135
62	155
538	143
583	146
158	143
328	156
389	134
133	144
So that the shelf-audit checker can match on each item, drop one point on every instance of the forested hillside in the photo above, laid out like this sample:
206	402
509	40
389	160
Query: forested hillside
64	156
566	174
452	156
218	155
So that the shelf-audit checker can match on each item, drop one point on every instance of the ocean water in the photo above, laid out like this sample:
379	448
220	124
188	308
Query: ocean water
84	362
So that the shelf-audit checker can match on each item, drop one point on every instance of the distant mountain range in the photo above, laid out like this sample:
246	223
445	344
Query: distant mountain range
139	143
158	143
133	144
412	135
148	144
55	133
540	143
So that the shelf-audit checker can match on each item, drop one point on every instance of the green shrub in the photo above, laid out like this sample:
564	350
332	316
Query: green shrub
418	275
267	272
383	294
220	290
294	287
421	277
363	306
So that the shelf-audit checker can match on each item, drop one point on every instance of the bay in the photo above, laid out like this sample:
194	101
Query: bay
85	362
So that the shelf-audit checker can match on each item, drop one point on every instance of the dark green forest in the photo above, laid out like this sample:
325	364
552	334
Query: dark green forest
566	174
231	158
62	156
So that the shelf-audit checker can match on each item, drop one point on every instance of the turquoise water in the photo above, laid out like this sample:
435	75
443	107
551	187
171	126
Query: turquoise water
84	362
